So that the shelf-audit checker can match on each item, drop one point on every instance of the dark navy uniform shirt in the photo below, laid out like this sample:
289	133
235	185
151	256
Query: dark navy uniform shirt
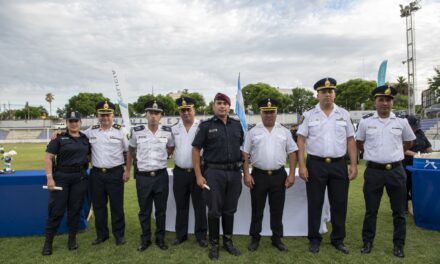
220	142
421	143
70	151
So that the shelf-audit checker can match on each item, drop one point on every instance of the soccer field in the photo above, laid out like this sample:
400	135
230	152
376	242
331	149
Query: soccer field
422	245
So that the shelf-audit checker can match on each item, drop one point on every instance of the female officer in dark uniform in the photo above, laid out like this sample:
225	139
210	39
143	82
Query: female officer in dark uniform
420	144
71	149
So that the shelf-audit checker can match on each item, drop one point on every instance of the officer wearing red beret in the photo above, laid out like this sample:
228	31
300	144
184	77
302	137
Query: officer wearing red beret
220	137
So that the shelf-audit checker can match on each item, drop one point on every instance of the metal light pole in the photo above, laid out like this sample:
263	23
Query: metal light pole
407	13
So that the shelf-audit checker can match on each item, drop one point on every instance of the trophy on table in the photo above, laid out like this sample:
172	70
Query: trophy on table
6	156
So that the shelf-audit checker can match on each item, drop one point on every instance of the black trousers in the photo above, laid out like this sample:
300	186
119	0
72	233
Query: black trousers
222	199
152	189
71	198
105	187
334	176
395	183
184	186
274	187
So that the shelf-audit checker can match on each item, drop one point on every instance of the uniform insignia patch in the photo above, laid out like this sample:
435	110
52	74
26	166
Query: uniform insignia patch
139	128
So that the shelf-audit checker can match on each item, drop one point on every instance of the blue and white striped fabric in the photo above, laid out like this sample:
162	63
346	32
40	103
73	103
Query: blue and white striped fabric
239	106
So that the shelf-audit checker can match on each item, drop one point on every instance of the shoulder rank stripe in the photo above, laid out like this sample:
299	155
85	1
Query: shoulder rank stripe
166	128
367	115
139	128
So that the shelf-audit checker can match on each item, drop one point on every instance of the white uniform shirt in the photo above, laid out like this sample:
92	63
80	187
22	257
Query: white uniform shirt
183	144
383	138
326	136
107	145
269	150
151	148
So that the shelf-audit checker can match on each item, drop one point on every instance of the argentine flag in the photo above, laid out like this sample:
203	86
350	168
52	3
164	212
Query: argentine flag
239	106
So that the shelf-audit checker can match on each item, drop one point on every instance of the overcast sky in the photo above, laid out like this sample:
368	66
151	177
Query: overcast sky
67	47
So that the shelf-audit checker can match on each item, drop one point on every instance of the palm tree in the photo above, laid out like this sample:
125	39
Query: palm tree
402	85
49	98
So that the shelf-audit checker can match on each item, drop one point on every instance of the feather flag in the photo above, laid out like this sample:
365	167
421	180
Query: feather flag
382	73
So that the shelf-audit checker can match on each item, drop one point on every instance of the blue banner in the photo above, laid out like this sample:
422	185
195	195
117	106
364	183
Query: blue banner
382	73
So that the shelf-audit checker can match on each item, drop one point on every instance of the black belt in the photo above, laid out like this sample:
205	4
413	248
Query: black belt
107	170
383	166
151	173
225	166
268	172
189	170
326	159
72	169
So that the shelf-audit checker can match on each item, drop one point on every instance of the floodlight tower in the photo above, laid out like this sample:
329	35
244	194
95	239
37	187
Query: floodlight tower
407	13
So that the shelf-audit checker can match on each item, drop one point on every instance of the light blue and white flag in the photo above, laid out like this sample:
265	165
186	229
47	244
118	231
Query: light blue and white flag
239	106
382	73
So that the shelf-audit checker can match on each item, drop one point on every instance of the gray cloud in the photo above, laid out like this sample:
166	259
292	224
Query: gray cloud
70	47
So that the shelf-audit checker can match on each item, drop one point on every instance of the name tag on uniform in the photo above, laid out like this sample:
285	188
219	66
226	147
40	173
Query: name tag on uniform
64	138
371	127
341	123
142	137
399	128
92	138
163	140
113	137
212	130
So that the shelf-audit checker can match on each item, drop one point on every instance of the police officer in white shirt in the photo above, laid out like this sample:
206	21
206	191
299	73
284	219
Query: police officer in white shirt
184	179
383	138
109	142
151	145
268	144
326	133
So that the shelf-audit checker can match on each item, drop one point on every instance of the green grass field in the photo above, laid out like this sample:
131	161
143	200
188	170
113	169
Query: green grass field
422	245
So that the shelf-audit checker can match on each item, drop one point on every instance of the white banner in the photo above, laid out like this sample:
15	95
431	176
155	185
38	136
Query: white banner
122	103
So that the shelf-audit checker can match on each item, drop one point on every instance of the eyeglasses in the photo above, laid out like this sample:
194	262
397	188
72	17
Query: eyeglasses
183	110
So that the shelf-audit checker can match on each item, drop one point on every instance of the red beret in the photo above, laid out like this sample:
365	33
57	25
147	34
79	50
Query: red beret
223	97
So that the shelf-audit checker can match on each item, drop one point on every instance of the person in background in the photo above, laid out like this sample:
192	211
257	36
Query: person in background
293	131
420	144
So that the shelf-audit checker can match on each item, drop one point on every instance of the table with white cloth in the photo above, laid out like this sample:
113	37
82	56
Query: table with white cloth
294	217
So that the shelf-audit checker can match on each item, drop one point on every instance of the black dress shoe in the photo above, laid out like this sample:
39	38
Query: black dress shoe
178	241
341	247
144	245
99	241
71	243
161	244
398	251
280	246
366	248
213	250
230	248
120	241
47	249
314	248
253	244
202	242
